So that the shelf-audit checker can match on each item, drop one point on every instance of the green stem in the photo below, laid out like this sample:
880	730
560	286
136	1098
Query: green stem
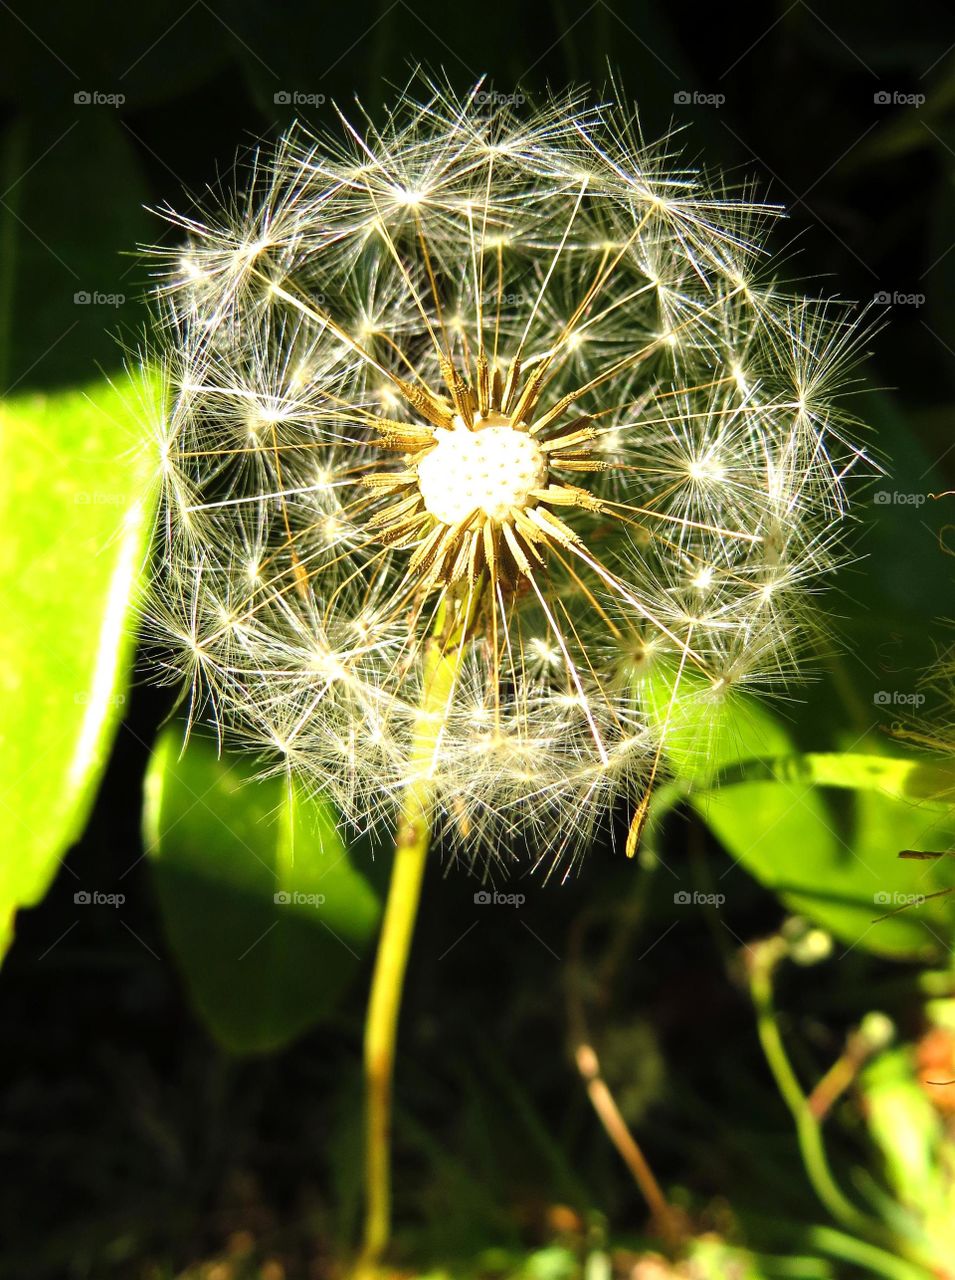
442	663
807	1129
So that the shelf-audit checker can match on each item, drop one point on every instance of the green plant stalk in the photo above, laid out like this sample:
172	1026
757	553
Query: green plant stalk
807	1129
876	1261
442	662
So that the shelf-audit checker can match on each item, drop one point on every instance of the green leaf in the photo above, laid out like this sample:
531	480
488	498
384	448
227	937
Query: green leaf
74	524
836	863
841	870
265	909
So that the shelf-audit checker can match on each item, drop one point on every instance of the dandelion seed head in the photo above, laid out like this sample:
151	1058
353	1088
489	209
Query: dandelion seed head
515	367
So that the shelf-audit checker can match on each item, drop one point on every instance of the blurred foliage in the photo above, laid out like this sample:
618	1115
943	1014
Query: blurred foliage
158	1153
250	869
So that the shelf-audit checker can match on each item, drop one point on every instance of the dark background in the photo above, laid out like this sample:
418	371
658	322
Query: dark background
139	1147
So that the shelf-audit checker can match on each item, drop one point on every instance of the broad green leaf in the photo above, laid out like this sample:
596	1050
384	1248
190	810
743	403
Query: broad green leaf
841	870
265	909
834	862
75	515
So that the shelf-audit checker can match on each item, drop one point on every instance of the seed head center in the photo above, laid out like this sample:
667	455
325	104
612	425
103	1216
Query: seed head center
492	468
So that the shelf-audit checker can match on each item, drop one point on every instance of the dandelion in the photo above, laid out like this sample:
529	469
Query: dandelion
481	424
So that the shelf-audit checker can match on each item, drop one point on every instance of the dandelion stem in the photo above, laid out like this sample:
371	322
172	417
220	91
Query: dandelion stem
442	661
411	849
